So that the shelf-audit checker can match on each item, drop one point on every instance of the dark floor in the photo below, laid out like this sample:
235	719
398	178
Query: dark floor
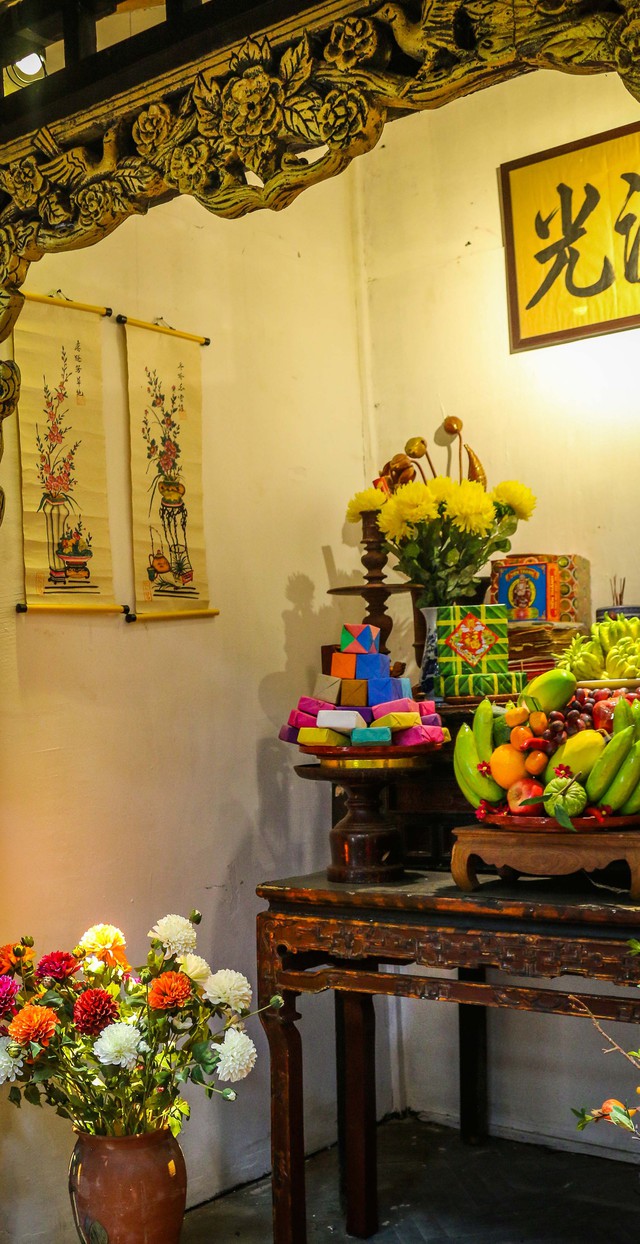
435	1190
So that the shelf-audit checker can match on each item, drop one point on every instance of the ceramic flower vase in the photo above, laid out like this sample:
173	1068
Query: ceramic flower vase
128	1189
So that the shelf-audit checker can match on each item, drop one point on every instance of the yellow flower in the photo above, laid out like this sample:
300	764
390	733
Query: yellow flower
106	943
470	509
391	522
367	499
517	496
415	503
441	488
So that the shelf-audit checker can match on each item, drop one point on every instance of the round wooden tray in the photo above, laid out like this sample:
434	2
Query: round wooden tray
546	824
383	752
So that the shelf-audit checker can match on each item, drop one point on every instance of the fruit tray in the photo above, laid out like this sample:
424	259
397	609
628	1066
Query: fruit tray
547	824
596	684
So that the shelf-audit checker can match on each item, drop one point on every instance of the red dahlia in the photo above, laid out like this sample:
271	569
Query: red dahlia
94	1010
58	965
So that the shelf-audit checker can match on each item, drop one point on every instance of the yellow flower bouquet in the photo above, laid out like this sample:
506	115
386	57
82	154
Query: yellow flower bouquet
443	532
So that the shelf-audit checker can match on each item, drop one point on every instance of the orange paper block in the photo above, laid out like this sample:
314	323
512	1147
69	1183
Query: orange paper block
399	721
354	692
343	665
311	736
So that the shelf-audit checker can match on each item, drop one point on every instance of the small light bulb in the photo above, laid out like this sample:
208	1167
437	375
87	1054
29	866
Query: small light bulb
30	65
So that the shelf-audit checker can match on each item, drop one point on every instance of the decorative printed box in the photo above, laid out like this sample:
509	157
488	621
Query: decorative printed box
543	587
472	639
454	685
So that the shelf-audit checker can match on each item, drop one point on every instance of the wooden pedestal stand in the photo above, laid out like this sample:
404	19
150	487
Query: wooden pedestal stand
366	846
513	852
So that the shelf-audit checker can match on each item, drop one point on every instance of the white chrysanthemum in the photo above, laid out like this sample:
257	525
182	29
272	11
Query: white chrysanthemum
237	1056
118	1045
195	967
176	933
228	988
10	1067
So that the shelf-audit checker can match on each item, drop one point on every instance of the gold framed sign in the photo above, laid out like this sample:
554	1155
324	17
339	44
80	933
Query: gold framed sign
571	219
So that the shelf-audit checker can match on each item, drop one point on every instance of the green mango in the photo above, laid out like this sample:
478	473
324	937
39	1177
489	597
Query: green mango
550	691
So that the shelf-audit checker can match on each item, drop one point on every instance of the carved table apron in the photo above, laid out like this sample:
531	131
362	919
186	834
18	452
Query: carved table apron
318	935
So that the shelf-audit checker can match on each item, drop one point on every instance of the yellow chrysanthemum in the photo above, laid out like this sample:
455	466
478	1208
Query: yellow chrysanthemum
470	508
415	503
367	499
517	496
441	488
391	522
106	943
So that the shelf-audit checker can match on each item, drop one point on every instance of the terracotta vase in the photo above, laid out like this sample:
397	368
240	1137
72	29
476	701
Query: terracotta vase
128	1189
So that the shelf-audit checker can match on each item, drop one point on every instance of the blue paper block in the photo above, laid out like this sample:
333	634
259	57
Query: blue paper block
372	665
379	690
371	736
398	693
406	690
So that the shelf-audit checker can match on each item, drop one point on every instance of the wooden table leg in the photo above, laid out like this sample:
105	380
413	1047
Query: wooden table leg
472	1028
287	1126
357	1140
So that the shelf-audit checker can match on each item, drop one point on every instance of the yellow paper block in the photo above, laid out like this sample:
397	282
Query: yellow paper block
399	721
312	736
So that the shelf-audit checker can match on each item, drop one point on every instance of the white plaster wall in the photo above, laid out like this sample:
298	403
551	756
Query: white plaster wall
563	419
140	767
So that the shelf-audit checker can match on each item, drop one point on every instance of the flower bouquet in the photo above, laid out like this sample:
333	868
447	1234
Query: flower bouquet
440	531
111	1047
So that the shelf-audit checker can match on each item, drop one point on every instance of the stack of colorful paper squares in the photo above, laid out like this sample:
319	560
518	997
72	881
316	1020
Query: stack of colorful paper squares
359	704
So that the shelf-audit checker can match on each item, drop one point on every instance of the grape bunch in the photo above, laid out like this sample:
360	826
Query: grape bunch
577	716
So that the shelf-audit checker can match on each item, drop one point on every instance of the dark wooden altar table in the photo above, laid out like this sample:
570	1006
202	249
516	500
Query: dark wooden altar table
318	935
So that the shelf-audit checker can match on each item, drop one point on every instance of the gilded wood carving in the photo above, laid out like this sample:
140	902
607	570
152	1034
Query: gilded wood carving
291	106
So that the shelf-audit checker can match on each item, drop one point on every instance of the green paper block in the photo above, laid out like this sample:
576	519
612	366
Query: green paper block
472	639
480	684
371	737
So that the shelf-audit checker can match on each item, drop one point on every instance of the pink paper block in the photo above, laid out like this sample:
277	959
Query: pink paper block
426	707
395	706
308	704
288	734
300	720
418	734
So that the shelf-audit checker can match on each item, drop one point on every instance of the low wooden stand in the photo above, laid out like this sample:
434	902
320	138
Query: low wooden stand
513	852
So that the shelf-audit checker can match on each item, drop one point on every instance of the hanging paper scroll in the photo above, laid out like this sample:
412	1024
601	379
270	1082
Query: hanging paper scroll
67	549
165	409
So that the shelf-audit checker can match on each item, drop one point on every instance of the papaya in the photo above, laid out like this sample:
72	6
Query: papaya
550	691
581	752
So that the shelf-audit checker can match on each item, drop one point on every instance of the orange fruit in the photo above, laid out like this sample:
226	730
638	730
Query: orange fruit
507	765
538	723
535	762
519	736
516	716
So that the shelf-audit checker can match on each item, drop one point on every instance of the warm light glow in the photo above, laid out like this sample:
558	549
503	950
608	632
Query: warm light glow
30	65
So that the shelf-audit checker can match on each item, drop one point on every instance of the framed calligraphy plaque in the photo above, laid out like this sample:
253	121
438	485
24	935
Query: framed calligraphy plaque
571	219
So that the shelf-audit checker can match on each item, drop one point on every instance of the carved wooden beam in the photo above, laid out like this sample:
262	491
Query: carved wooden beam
252	125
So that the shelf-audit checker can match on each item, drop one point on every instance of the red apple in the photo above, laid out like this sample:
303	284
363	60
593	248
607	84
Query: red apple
525	788
603	713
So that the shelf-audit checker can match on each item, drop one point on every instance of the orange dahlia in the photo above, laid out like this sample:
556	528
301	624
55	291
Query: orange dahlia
169	991
9	962
33	1023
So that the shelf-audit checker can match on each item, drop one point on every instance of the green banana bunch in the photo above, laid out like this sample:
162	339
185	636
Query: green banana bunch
584	657
474	785
623	659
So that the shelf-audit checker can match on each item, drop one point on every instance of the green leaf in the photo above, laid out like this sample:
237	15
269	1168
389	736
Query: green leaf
97	1234
527	803
563	818
621	1118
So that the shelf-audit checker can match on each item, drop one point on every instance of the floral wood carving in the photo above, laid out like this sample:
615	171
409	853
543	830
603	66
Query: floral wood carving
286	114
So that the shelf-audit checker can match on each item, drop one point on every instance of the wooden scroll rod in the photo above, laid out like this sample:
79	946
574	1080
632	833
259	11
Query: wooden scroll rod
163	328
178	616
37	606
66	302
